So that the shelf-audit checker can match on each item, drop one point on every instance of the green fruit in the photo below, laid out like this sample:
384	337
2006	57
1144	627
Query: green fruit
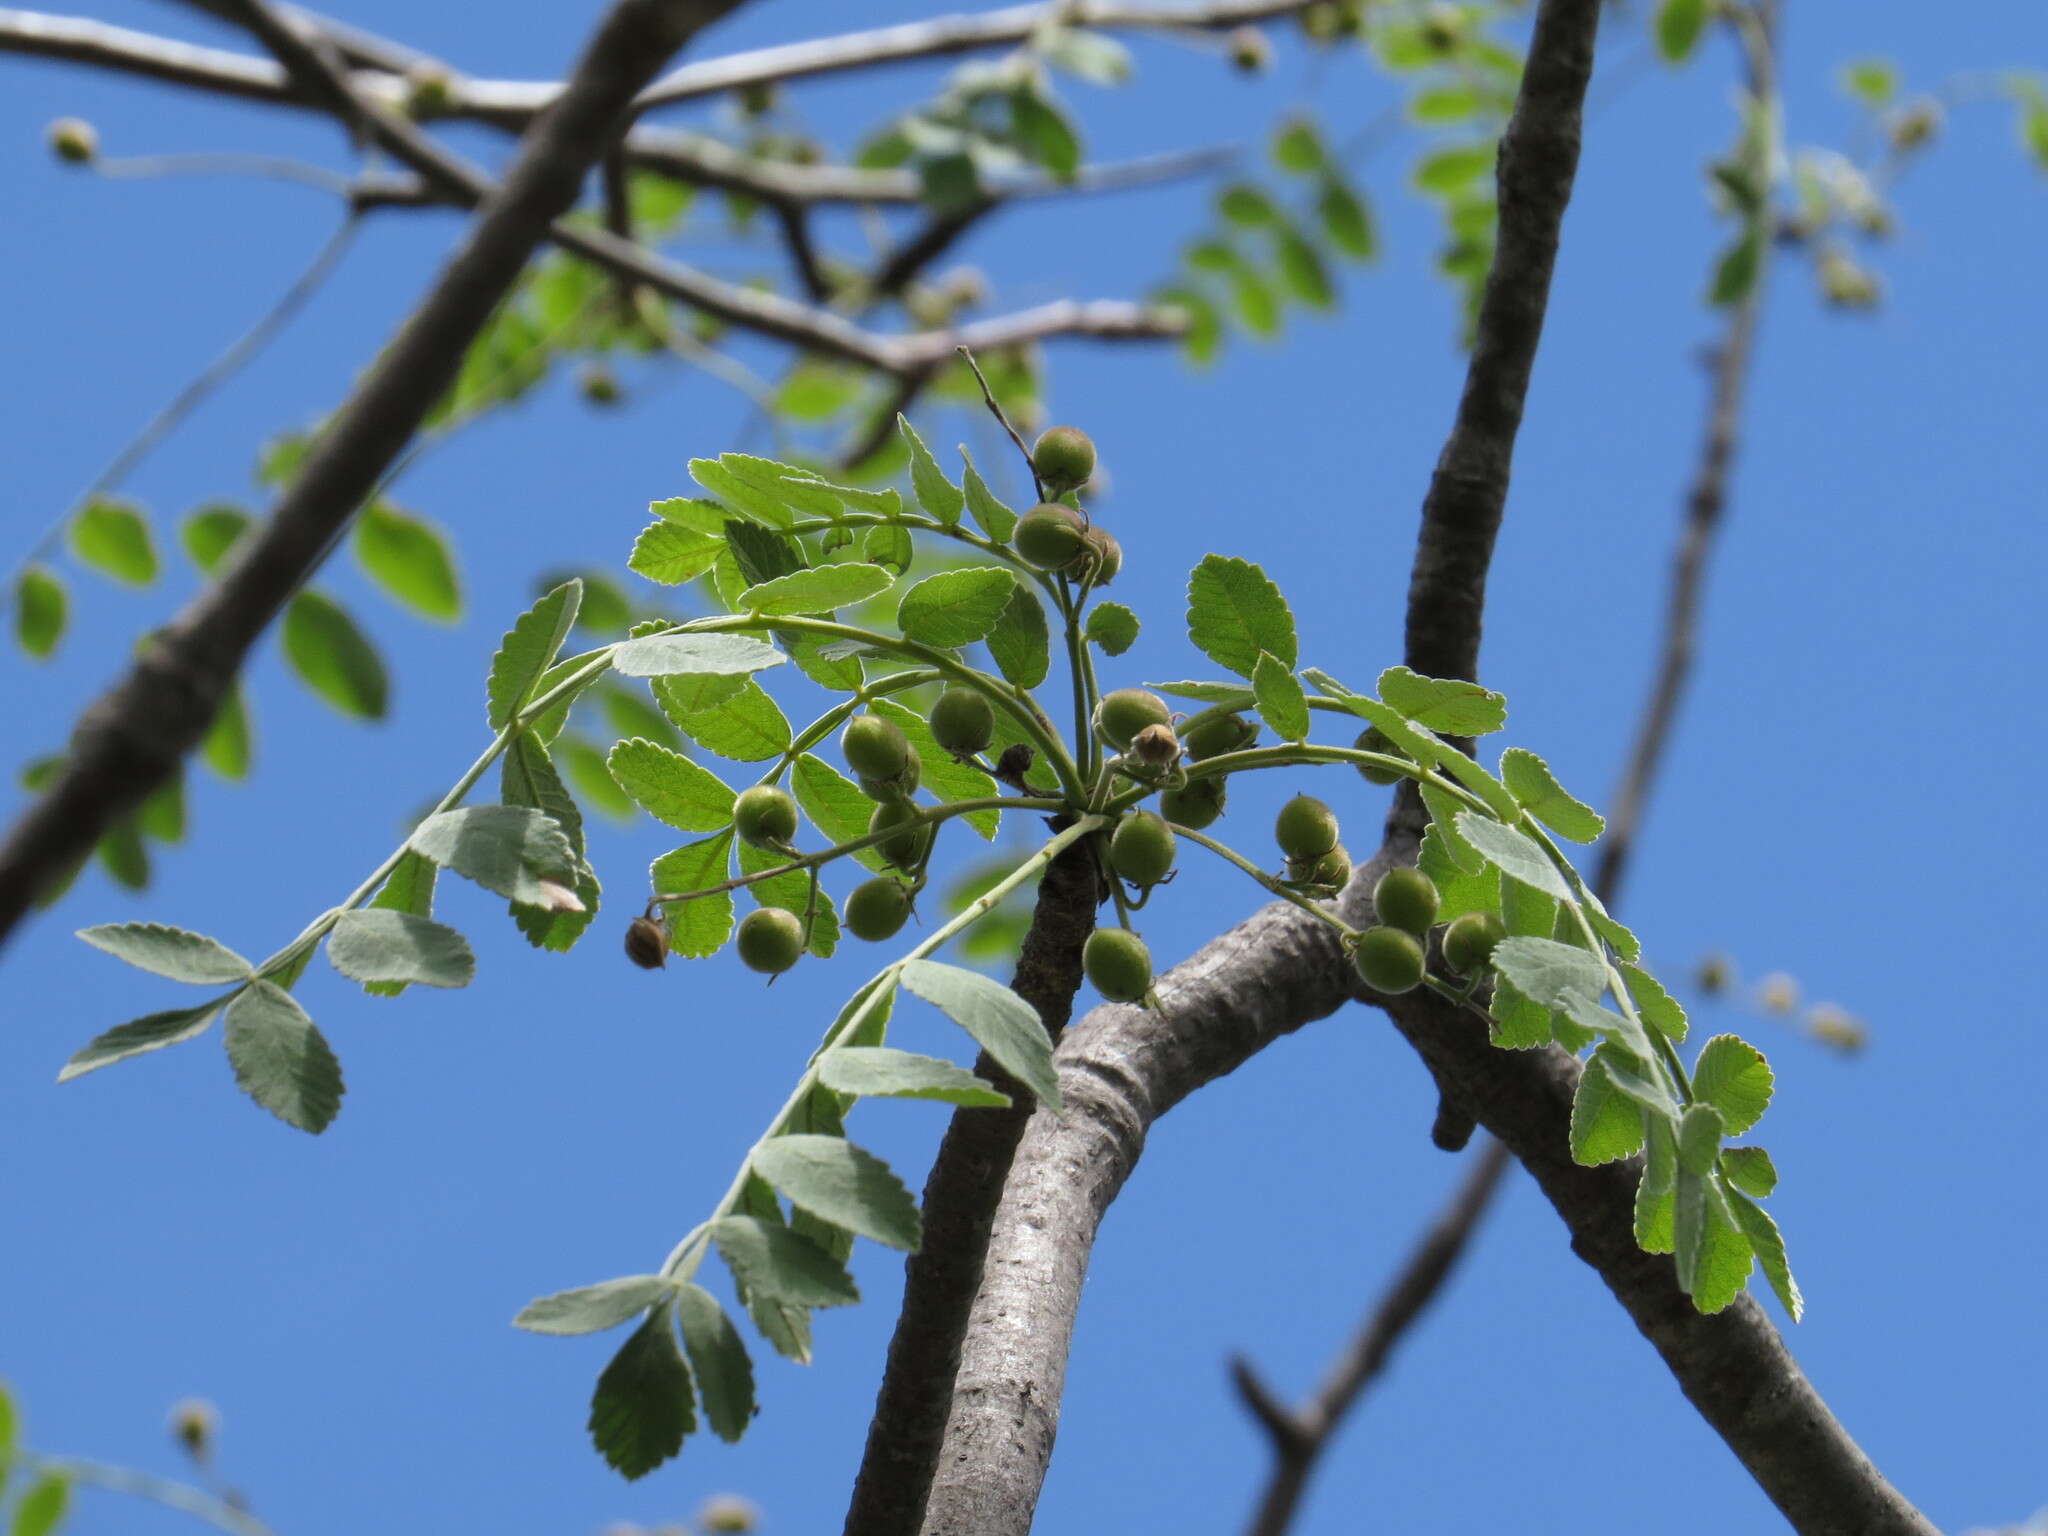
1050	536
1407	899
1195	804
907	848
1469	941
1064	458
877	909
1127	711
1102	558
1225	733
1333	869
902	787
1373	739
1389	960
1305	828
73	140
875	748
1119	964
963	721
765	817
1142	848
769	940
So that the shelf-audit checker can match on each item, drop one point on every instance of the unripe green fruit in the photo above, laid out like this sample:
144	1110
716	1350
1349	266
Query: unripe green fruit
1305	828
74	141
1119	964
769	940
902	787
875	748
1469	941
765	817
1225	733
1142	848
1195	804
1050	536
1406	898
1102	558
963	721
1064	458
1333	869
1389	960
1373	739
877	909
906	848
1127	711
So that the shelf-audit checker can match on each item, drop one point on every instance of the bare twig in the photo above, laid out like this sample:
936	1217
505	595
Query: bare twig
995	409
182	1497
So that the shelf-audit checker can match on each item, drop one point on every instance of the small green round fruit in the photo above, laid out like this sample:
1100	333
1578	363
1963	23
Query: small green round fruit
902	787
1195	804
1225	733
877	909
1064	458
963	721
1119	964
1333	869
1469	941
1305	828
1102	558
765	817
1373	739
1142	848
73	140
1127	711
907	847
875	748
1051	536
1407	899
1389	960
769	940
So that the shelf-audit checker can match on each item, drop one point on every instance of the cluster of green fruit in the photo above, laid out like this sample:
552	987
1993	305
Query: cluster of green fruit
1055	536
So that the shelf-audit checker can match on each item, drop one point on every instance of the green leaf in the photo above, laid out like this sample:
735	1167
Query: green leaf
1449	171
408	889
1750	1170
888	545
509	849
838	1182
1110	625
1045	132
748	727
1235	612
1019	642
380	946
725	1376
1655	1206
1000	1021
956	608
630	714
333	657
878	1072
1298	147
1447	704
815	390
226	747
700	927
643	1406
1236	695
1203	337
785	483
742	494
1622	940
1660	1010
1735	273
818	590
671	553
150	1033
1712	1252
1699	1139
171	952
944	775
1514	853
1444	104
670	787
1769	1245
1530	781
1679	23
1460	889
529	779
583	765
834	803
1302	269
114	539
1256	305
935	493
1607	1125
594	1308
1732	1075
996	519
281	1060
162	815
41	606
771	1260
43	1507
692	654
409	558
1282	704
124	857
528	650
1544	970
1347	224
1246	206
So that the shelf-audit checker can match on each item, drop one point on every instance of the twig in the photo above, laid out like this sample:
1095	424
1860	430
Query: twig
995	409
870	439
618	218
795	220
182	1497
933	239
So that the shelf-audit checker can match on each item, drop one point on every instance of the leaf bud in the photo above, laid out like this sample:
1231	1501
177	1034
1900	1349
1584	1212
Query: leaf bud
194	1422
1249	50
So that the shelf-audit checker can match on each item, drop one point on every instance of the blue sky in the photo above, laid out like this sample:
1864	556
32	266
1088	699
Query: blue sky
1849	800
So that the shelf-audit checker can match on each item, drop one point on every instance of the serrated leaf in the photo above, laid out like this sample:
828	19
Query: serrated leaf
1235	612
333	657
171	952
1660	1010
1654	1205
693	654
643	1406
113	538
1020	642
1519	1023
834	804
1713	1254
226	747
935	493
725	1376
280	1060
786	483
1513	852
1447	704
1750	1170
748	727
594	1308
699	927
41	607
42	1509
529	779
150	1033
1607	1125
1530	781
528	649
955	608
742	495
880	1072
1000	1021
689	694
818	590
1700	1130
509	849
379	946
1619	936
583	765
1732	1075
838	1182
670	787
409	888
1459	889
1679	23
1544	970
1111	626
1282	704
409	558
1769	1246
996	519
770	1260
672	553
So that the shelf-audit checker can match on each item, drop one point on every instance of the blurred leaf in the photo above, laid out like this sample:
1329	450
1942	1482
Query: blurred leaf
1090	56
582	762
114	539
1253	297
815	390
122	854
1346	223
1679	23
1046	133
1298	147
1246	206
42	1508
1302	269
226	746
41	607
408	557
333	657
1204	335
1450	170
1735	273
